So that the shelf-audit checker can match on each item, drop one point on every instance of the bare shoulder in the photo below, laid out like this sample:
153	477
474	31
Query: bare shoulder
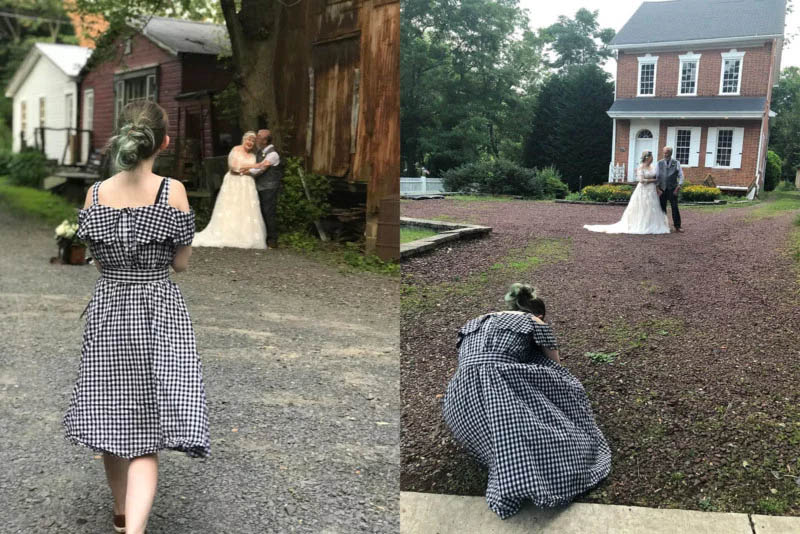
177	195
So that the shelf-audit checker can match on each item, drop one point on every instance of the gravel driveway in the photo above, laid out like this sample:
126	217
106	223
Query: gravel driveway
701	404
301	371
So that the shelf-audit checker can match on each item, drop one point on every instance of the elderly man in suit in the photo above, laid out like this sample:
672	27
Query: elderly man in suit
268	174
669	179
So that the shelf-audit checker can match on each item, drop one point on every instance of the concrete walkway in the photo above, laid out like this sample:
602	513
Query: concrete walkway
427	513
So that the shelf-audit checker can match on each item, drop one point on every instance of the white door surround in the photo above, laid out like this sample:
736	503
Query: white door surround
639	141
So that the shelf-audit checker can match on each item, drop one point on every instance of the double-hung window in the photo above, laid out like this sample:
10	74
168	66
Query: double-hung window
685	141
724	148
132	86
646	85
730	79
687	76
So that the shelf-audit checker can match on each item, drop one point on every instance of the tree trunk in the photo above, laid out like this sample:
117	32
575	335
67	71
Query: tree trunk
253	33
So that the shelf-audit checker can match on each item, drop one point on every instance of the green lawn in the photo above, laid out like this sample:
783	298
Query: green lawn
412	233
40	204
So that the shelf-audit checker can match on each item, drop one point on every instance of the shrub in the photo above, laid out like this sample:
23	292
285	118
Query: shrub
40	204
295	211
782	186
773	171
699	193
504	177
28	169
5	161
552	184
607	193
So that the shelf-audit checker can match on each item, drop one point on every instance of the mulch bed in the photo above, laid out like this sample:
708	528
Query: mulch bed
702	403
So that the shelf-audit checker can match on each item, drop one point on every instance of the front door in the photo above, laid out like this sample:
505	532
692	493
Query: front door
644	136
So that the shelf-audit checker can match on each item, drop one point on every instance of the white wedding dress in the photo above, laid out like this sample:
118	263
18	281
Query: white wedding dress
236	220
643	215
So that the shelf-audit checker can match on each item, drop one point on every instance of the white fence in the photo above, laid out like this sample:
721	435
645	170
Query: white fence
421	185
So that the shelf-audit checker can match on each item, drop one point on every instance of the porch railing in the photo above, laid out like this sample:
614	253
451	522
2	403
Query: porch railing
73	145
616	173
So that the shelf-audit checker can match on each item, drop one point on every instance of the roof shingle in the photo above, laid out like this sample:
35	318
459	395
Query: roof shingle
689	20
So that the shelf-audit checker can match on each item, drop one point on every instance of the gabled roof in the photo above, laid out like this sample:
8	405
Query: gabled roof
702	20
69	59
741	107
186	36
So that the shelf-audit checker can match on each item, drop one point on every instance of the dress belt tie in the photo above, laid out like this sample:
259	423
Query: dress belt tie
135	276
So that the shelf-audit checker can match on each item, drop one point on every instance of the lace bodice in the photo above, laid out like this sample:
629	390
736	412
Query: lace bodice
238	158
646	173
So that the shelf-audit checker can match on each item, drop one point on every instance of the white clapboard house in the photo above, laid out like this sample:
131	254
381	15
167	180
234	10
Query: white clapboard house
44	90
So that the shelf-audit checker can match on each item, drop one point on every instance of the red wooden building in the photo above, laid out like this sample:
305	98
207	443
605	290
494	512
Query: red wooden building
176	64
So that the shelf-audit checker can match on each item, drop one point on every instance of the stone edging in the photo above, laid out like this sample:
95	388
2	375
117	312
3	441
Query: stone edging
447	232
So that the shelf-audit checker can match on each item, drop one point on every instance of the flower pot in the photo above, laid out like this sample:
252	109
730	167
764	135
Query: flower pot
77	255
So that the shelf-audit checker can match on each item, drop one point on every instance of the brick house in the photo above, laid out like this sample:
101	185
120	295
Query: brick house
175	63
698	75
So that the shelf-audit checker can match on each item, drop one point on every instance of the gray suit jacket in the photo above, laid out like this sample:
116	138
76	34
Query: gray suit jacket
668	175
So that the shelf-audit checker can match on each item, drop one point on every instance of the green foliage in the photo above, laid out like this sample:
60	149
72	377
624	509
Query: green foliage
578	41
477	53
5	160
570	128
783	137
602	357
773	171
28	168
44	205
607	193
699	193
782	186
413	233
295	211
504	177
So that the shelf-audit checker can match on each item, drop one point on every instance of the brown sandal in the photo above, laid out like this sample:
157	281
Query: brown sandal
119	523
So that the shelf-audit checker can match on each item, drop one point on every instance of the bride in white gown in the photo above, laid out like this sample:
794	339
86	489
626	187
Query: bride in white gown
236	220
643	215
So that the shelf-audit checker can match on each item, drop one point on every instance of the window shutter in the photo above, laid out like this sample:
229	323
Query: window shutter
671	137
736	152
711	148
694	149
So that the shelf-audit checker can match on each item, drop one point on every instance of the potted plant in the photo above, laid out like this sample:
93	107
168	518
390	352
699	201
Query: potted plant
71	250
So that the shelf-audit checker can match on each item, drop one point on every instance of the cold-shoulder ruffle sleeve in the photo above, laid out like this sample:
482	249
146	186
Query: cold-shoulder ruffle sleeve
159	223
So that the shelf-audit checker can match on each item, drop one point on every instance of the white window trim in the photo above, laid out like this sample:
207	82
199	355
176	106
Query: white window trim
733	54
646	60
694	144
689	58
86	93
738	134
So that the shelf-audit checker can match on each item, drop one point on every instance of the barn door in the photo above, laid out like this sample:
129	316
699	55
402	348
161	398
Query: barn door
335	78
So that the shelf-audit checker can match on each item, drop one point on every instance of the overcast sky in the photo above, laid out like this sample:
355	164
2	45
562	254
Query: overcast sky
615	13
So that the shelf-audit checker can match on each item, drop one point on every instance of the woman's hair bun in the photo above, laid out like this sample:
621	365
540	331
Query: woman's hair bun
520	292
142	131
134	143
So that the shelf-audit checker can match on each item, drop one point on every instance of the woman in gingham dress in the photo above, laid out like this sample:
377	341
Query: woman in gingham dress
140	386
520	413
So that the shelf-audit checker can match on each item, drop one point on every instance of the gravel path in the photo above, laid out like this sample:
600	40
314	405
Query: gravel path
301	369
701	405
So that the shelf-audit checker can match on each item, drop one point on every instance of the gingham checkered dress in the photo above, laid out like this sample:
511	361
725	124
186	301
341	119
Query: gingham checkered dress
522	415
140	385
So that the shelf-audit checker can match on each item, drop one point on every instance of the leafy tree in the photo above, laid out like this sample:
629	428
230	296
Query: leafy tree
578	41
570	128
468	78
785	125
